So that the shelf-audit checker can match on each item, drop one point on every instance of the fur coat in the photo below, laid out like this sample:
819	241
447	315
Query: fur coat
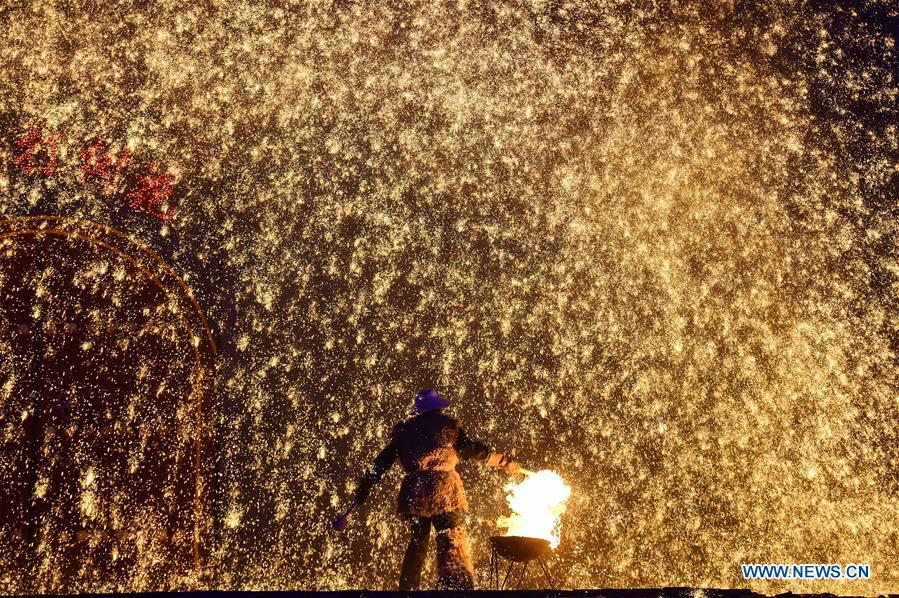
426	449
428	446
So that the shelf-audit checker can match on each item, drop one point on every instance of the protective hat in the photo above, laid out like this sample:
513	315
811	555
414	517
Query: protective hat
427	399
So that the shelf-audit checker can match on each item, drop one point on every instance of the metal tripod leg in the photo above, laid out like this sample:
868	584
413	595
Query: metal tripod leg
524	570
494	570
549	577
509	570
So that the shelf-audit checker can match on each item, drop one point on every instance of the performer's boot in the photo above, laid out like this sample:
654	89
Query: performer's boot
454	568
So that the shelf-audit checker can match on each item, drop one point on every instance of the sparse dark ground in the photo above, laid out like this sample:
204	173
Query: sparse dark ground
616	593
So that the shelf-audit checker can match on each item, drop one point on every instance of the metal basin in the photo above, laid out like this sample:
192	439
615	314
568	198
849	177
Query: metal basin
519	548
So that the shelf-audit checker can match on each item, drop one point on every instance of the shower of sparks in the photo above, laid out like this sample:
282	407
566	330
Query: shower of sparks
538	503
653	248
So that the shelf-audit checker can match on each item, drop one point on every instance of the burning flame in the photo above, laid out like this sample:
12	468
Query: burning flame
537	503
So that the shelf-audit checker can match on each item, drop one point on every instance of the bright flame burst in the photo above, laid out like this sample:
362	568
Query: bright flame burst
537	503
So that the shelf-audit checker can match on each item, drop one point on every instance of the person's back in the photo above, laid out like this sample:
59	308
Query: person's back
429	446
426	449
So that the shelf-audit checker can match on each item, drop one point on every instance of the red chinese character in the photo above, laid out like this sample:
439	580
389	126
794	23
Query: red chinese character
30	143
97	163
153	190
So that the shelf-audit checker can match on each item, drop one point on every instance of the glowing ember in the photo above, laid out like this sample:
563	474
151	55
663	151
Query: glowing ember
537	503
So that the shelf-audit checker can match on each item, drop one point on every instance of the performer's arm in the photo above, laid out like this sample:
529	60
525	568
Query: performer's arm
374	473
480	452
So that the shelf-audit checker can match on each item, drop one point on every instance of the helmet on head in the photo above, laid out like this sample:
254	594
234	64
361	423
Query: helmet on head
427	399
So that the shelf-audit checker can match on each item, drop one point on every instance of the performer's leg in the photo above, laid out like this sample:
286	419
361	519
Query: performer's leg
454	568
410	575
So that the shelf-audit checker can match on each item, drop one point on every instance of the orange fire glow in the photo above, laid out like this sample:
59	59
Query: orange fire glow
537	504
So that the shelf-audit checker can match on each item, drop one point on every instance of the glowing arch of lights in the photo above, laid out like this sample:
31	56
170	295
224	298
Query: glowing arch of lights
191	318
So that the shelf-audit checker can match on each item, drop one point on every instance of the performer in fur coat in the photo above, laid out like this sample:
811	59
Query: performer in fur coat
428	447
